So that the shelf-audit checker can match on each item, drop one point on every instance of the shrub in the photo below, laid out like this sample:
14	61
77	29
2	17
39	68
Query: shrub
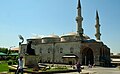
61	67
36	68
8	57
44	69
15	63
10	62
16	57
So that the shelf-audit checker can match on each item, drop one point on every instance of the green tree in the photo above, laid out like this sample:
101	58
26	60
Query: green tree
4	50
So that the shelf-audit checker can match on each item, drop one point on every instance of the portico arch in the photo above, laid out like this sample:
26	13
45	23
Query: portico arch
87	56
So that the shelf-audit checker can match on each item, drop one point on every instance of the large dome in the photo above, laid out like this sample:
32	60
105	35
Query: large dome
75	34
72	36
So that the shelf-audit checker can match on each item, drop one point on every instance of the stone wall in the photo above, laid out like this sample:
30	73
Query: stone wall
31	60
54	51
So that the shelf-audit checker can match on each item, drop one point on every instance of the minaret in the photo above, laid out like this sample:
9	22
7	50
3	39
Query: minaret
97	26
79	20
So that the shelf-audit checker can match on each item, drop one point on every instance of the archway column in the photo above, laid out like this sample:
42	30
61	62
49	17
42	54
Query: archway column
80	58
85	60
96	60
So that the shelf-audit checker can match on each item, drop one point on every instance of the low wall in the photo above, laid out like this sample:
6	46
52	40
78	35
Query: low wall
47	72
31	60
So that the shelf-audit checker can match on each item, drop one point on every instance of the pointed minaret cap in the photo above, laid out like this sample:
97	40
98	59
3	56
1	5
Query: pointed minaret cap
79	5
97	16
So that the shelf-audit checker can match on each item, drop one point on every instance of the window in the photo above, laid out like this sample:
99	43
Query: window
61	50
24	51
40	59
48	59
48	50
71	50
40	50
35	43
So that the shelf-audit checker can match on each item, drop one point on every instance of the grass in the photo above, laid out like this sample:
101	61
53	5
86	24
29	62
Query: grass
4	66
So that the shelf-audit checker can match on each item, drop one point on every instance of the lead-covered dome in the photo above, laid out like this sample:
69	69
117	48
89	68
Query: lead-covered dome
35	40
73	36
50	38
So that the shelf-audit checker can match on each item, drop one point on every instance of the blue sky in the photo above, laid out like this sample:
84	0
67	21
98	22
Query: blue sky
45	17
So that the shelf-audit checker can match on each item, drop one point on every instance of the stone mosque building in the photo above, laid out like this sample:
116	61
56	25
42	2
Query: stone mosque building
69	48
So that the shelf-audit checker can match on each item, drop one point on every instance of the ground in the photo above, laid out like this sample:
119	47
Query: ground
98	70
94	70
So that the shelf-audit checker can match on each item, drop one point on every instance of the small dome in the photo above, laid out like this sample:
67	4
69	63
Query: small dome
35	37
51	36
70	34
85	36
50	39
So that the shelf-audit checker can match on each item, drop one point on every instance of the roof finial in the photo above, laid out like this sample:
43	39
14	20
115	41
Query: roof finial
79	5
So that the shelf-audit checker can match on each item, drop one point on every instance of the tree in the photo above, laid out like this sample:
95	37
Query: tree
4	50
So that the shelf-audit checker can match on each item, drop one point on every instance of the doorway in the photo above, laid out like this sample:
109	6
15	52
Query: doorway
87	57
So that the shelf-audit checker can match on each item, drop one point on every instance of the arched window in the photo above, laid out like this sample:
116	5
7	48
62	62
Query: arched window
71	50
35	42
24	51
48	50
48	59
40	50
61	50
40	59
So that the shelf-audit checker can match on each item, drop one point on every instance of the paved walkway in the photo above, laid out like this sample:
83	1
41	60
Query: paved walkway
97	70
103	70
83	72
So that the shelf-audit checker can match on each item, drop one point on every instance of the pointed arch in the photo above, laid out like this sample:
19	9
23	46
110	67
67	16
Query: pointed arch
87	56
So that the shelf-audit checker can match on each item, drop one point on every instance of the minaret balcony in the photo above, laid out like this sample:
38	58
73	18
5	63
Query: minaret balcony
78	18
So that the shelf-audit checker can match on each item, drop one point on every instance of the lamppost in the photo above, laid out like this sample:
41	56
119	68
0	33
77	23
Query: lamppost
10	49
22	40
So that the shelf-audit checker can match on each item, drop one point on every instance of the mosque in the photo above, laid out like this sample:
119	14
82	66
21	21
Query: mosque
69	48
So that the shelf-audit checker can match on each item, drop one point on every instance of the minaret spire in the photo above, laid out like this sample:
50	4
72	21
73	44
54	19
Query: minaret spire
79	5
79	20
97	26
97	16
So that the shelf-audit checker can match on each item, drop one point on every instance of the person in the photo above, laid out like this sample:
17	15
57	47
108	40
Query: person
94	65
78	65
89	66
20	65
